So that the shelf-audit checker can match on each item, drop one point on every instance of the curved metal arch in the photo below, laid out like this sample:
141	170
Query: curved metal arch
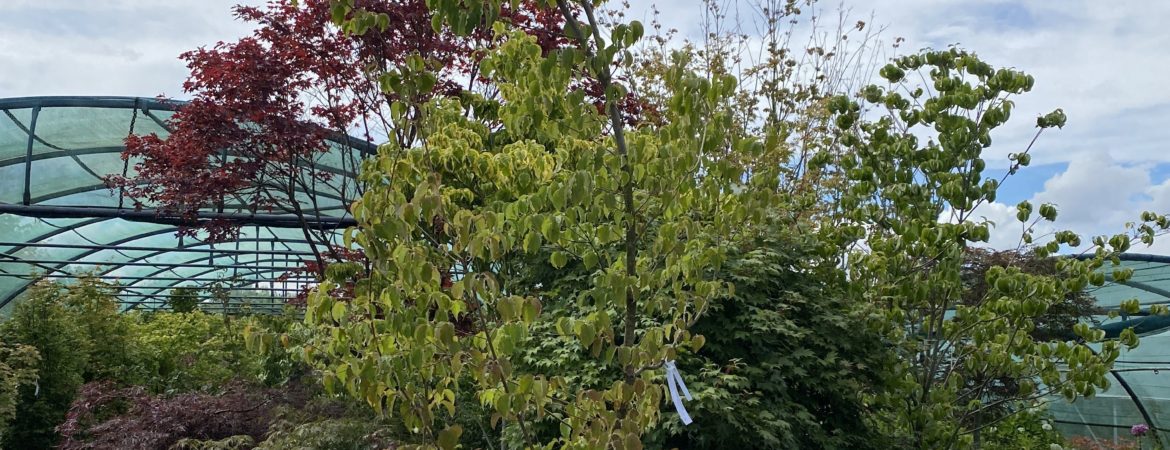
75	227
346	142
77	258
27	159
134	260
344	148
85	254
246	283
60	154
1138	257
83	101
161	291
98	187
175	283
1137	403
144	235
56	231
86	151
148	104
106	272
1140	286
59	230
191	263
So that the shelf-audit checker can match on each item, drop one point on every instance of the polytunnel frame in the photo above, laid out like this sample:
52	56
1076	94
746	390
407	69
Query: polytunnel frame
156	251
351	149
1117	373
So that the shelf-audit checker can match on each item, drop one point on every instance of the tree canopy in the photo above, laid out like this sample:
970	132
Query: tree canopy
566	212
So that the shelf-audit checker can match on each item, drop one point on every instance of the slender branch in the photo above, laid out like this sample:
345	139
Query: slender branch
604	77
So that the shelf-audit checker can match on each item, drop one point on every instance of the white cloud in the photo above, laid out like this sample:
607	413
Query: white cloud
1102	62
122	47
1094	196
1096	191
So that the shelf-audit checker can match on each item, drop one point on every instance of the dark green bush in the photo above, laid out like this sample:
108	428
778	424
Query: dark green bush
43	321
788	360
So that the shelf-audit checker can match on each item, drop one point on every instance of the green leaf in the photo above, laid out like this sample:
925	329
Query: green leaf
330	382
426	82
550	229
1023	211
338	11
506	308
589	259
532	309
445	333
586	333
449	437
697	342
558	259
1048	212
636	31
532	242
1053	119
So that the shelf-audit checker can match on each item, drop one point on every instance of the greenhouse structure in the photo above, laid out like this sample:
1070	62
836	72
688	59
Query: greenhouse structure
1139	392
61	220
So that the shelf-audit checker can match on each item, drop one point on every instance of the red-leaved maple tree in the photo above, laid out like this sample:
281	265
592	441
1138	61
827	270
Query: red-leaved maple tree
256	135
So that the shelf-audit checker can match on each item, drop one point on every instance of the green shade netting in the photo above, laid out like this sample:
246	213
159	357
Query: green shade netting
1145	370
66	146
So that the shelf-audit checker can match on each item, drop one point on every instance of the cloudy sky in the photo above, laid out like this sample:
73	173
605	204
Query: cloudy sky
1102	62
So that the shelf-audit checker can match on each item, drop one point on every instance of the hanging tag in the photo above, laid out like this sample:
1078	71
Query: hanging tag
674	382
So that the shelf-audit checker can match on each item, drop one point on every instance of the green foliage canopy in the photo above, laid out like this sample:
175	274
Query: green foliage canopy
956	349
18	369
649	212
42	320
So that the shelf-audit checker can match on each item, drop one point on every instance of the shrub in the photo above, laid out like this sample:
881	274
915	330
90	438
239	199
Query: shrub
42	321
192	351
18	368
1026	428
107	416
787	362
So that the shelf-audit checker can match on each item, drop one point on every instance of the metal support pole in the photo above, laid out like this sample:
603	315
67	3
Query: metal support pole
131	248
307	279
28	156
147	264
157	217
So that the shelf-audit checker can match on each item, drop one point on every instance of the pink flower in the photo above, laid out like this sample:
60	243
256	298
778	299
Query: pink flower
1139	430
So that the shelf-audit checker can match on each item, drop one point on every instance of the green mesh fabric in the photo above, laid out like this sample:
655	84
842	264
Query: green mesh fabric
55	151
1139	390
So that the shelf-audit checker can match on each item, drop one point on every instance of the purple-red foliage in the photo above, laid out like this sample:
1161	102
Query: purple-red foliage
264	104
105	416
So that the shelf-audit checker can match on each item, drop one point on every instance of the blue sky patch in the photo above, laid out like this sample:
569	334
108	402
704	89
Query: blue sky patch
1025	183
